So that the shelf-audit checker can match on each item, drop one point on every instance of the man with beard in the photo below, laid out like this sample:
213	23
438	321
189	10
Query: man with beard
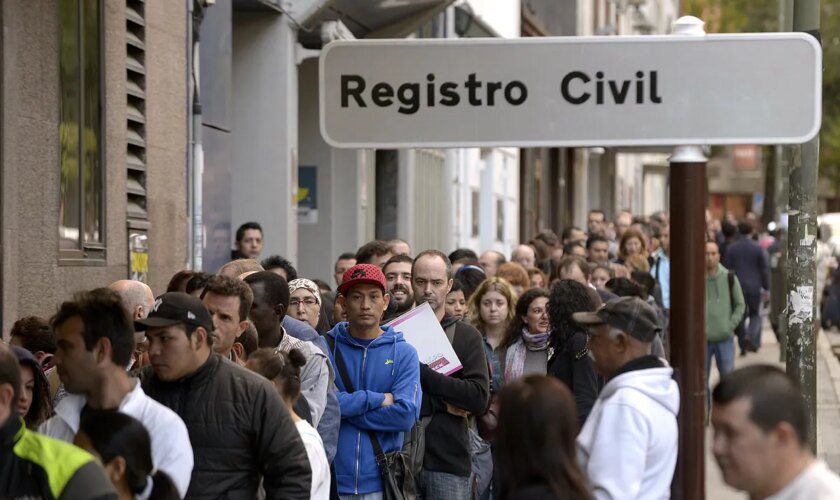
398	277
448	400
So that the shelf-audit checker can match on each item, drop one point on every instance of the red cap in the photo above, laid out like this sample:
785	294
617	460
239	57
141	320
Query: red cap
362	274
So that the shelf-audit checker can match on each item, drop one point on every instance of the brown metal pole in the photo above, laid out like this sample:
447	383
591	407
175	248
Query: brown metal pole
688	316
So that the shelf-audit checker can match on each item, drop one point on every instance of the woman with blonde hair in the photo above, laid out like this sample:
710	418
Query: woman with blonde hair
491	310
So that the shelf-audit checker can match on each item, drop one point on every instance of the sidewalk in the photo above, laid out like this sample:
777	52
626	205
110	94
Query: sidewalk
828	406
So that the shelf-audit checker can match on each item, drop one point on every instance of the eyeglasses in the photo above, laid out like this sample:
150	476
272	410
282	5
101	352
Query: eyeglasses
308	302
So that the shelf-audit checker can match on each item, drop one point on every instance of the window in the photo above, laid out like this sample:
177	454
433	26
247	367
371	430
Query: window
81	210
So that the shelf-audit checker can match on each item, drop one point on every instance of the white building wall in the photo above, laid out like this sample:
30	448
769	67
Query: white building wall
632	190
491	174
344	219
640	193
265	124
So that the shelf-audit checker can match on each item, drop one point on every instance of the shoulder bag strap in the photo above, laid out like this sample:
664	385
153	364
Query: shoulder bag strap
730	277
339	363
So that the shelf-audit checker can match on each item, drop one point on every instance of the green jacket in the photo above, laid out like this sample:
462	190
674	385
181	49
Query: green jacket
34	466
721	317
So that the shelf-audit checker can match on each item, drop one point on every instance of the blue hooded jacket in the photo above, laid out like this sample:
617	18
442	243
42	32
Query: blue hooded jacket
387	365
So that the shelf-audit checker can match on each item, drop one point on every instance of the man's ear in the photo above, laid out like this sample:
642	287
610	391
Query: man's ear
200	335
622	342
386	297
239	350
280	311
103	350
243	325
786	435
449	286
43	358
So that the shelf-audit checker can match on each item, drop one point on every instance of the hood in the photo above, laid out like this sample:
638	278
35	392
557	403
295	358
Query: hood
655	383
25	357
721	270
389	338
341	333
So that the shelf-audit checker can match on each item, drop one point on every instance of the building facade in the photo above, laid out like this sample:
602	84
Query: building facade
260	155
560	185
93	143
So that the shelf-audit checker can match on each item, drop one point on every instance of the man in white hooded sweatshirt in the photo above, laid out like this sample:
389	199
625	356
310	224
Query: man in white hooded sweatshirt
628	446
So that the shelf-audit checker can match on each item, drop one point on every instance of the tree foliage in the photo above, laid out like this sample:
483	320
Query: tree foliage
754	16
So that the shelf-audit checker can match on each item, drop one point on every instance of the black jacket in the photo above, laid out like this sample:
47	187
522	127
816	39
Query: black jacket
750	263
240	430
447	439
572	365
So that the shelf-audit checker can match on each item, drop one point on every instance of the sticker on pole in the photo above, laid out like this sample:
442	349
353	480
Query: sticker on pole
571	91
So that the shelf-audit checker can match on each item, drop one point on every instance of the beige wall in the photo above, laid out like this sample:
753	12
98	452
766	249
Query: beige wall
33	282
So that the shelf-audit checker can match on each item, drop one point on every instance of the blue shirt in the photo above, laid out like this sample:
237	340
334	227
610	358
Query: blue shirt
496	375
661	271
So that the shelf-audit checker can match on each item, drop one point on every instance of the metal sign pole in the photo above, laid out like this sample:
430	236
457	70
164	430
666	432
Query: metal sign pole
688	299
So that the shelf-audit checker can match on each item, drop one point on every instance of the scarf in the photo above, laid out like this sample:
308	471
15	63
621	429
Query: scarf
515	356
308	285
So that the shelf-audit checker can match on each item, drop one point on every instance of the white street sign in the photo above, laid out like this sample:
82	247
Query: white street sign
571	91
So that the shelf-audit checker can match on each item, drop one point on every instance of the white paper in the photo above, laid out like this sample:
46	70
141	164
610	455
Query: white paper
421	329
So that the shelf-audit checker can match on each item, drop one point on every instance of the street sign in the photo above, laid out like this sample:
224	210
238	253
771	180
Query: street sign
571	91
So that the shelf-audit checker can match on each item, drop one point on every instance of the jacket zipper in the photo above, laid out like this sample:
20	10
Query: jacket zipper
359	436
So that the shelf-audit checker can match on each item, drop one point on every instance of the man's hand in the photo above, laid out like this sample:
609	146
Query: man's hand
458	412
389	399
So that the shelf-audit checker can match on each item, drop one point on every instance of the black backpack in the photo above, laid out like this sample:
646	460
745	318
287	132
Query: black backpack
730	277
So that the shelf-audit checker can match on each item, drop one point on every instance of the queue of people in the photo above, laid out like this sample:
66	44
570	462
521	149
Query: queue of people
257	382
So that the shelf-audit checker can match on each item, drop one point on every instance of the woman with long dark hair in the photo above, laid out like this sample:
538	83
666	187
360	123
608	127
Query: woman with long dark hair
526	346
535	447
123	446
570	362
34	404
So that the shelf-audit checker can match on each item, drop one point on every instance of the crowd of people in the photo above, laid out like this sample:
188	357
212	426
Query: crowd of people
256	382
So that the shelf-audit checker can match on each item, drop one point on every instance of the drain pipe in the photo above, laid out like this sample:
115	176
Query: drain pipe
195	151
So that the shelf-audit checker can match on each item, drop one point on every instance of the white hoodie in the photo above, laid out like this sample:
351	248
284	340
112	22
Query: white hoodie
628	447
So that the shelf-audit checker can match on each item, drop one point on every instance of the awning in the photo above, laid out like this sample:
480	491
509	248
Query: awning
371	18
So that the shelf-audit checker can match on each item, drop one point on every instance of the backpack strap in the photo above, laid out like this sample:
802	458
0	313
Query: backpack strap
730	277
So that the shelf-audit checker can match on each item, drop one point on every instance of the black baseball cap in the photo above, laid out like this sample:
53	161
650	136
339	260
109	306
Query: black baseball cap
173	308
631	315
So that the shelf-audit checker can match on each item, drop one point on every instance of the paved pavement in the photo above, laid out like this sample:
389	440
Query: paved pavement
828	407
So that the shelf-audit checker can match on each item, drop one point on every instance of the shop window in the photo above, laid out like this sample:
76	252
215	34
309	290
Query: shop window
81	201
